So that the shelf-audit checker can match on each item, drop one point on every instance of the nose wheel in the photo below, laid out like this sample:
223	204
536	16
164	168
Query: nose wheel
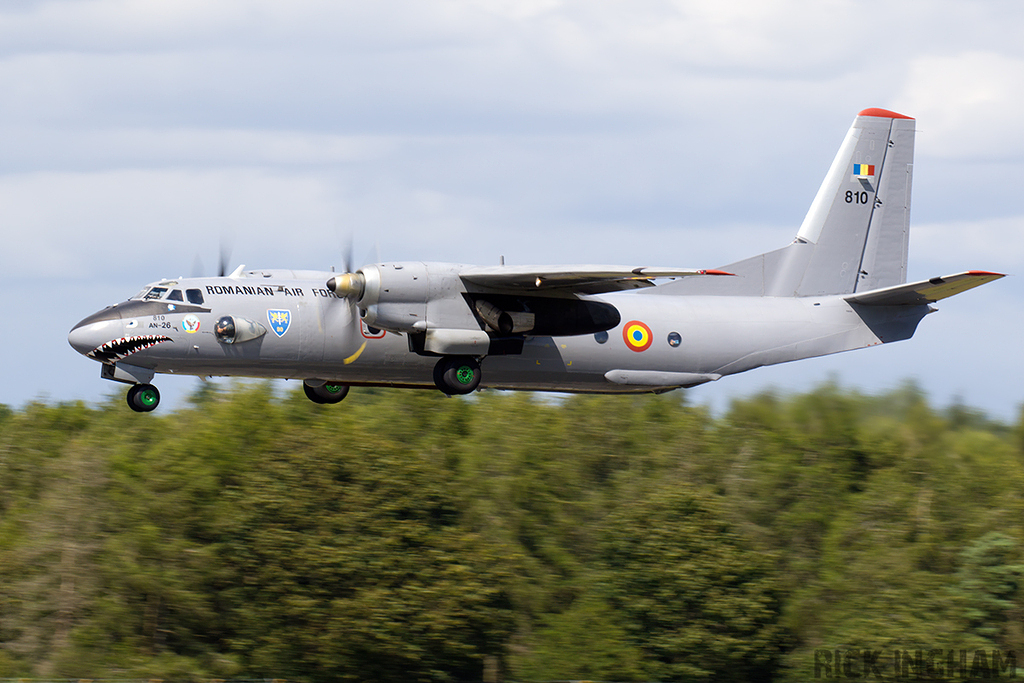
142	398
457	374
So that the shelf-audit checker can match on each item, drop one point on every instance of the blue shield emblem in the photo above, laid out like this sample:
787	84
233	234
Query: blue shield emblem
279	321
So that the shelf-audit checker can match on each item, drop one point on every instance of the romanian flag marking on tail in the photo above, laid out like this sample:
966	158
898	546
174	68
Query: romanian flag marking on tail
864	170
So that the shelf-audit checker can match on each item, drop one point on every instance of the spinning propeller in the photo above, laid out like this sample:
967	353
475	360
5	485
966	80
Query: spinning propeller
224	256
348	285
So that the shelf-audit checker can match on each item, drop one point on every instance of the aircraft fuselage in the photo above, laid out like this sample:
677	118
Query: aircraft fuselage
839	285
313	334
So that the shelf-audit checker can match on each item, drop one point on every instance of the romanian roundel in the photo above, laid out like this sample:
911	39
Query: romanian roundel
637	336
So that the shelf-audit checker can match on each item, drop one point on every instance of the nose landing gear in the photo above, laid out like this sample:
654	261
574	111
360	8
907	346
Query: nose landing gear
142	398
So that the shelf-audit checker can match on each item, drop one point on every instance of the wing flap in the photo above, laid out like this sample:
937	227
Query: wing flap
591	279
924	292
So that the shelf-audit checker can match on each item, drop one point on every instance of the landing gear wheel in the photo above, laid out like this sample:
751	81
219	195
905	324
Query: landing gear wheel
143	398
457	374
325	393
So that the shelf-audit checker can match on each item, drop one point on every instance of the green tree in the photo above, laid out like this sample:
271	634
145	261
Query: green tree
351	560
989	584
699	602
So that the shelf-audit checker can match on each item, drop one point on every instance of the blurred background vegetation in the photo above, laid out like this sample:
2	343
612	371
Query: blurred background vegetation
402	535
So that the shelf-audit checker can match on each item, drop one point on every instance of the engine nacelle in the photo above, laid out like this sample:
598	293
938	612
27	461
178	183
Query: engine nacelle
395	296
432	304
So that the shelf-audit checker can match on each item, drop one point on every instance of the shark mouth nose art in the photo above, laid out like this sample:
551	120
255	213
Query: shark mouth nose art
119	349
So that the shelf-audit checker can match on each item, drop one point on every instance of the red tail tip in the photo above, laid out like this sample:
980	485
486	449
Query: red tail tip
884	113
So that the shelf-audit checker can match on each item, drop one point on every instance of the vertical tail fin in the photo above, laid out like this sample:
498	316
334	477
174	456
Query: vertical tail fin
855	235
859	222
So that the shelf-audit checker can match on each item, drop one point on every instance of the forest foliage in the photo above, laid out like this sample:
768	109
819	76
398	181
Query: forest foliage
403	535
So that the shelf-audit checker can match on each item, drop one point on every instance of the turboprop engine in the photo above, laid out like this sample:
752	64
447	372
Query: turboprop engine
443	315
425	301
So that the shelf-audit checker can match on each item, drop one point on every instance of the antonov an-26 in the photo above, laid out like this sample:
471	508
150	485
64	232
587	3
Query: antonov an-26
840	285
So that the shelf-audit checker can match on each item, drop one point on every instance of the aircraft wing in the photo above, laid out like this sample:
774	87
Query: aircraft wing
924	292
586	279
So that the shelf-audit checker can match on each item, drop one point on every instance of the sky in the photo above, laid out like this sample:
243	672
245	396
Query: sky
138	136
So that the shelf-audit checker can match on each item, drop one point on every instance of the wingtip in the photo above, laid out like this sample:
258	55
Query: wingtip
715	272
883	113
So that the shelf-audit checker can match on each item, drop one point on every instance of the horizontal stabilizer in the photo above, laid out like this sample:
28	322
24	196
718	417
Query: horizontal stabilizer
924	292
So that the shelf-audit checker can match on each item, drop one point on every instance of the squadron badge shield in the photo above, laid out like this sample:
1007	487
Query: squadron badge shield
279	321
190	324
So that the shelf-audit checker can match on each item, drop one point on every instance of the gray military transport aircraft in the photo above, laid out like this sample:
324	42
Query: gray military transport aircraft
840	285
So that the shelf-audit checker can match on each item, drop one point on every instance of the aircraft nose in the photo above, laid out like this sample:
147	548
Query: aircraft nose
86	335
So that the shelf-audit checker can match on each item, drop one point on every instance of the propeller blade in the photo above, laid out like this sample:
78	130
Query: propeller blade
225	254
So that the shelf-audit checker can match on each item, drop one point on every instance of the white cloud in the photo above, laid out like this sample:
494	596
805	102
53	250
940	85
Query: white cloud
991	244
677	132
969	104
122	26
104	225
318	62
120	147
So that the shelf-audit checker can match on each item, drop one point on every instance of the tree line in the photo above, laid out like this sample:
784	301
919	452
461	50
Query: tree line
402	535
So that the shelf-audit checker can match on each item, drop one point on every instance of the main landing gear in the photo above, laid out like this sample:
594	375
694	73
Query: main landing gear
325	393
142	398
457	374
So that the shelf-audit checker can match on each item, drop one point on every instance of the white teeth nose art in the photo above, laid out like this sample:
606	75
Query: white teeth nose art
118	349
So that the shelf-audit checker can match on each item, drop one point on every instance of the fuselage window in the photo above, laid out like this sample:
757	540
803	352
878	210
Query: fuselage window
175	295
155	293
195	296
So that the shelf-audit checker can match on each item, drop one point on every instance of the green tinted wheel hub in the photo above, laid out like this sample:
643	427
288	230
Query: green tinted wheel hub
325	394
457	374
143	398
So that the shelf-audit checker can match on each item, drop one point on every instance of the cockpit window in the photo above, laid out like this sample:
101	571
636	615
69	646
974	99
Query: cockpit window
175	295
195	296
155	293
